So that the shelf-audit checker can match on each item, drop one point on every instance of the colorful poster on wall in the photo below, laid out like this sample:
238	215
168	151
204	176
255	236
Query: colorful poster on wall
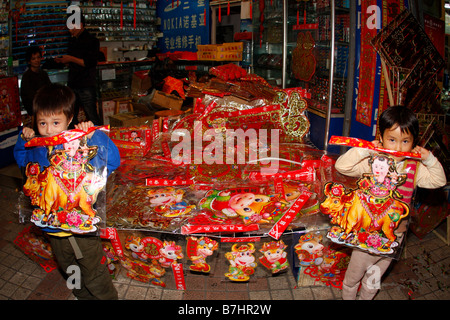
184	24
368	63
10	116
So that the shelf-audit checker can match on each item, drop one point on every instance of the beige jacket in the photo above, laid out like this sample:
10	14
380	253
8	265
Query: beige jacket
429	174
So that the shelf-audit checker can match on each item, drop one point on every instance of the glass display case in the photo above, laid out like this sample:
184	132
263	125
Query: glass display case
4	40
41	24
122	20
309	44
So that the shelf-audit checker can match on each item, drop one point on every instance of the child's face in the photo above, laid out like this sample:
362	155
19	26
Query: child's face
51	125
394	139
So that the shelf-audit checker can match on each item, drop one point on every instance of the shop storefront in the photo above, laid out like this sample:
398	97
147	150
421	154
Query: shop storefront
228	146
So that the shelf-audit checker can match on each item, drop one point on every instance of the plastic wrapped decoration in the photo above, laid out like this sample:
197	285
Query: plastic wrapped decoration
35	244
242	262
150	257
153	207
64	194
318	261
234	209
198	249
275	257
286	112
112	259
367	216
141	260
363	219
136	171
132	141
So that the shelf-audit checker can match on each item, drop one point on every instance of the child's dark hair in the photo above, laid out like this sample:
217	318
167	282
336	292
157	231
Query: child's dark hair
53	99
30	51
400	116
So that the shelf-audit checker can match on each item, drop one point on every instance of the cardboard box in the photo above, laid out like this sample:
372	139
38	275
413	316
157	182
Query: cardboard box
167	101
230	51
140	82
224	47
109	108
141	115
130	119
231	46
229	56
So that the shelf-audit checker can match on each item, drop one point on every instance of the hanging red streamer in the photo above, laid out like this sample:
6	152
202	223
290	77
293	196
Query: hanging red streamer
134	16
220	14
121	15
228	8
204	17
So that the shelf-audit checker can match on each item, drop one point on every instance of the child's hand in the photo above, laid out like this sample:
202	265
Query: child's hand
423	152
377	144
85	127
28	134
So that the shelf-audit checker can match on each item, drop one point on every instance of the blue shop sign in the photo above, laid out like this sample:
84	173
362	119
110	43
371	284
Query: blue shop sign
184	24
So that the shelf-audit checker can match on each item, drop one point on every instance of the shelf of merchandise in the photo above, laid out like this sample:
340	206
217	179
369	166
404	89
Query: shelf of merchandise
122	20
130	27
5	50
330	24
42	24
114	78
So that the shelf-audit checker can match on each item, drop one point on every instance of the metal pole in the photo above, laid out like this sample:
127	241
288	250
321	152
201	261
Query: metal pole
331	78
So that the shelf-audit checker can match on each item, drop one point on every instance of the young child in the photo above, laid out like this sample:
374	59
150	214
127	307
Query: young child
53	109
399	131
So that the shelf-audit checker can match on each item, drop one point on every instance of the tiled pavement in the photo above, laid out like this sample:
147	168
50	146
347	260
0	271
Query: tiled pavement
422	274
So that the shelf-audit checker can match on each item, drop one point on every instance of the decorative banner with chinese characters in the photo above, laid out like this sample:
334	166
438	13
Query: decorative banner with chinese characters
184	24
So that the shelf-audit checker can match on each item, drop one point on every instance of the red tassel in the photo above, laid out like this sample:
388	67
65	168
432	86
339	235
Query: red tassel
134	15
121	15
204	17
297	17
220	14
228	9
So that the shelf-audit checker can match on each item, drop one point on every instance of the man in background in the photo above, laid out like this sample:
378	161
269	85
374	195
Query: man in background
82	57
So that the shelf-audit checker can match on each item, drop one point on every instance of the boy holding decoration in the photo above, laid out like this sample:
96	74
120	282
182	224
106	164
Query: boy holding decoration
53	108
399	131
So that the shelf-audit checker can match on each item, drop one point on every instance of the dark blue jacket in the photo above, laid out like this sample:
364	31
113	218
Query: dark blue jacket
107	153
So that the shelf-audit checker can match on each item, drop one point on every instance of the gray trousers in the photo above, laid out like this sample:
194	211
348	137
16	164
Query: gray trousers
87	254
